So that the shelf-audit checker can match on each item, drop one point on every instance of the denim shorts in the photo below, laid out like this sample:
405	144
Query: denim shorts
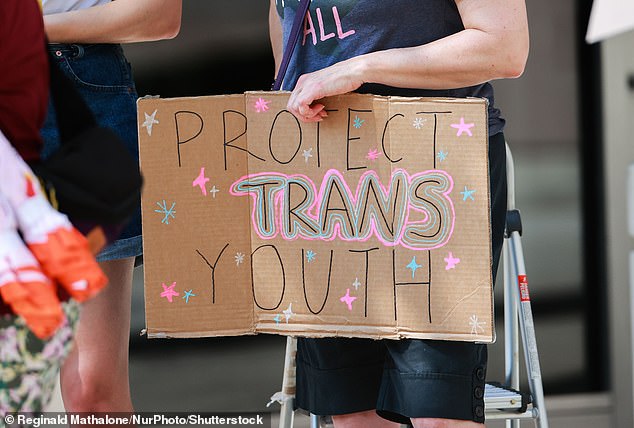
407	378
103	76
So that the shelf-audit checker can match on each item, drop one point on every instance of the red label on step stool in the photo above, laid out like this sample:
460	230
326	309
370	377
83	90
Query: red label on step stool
523	283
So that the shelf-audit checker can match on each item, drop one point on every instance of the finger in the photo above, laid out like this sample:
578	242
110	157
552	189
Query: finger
305	111
303	99
317	109
314	110
312	119
292	104
299	109
308	119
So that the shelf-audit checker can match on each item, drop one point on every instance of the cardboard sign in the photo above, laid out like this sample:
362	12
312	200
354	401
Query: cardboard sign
373	223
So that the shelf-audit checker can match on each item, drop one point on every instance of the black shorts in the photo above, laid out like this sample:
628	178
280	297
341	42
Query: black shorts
408	378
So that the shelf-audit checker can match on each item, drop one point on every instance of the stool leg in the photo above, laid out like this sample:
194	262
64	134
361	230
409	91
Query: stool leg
314	421
288	384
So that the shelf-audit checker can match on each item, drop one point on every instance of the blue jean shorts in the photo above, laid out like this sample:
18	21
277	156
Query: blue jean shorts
103	76
407	378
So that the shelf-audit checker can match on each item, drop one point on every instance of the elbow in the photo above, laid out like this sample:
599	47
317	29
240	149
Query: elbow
515	60
174	28
513	69
172	32
170	28
167	24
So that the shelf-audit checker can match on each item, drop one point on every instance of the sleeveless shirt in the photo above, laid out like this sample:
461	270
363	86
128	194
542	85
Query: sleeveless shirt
58	6
335	30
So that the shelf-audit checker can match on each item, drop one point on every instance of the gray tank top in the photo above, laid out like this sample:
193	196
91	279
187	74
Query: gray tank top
340	29
58	6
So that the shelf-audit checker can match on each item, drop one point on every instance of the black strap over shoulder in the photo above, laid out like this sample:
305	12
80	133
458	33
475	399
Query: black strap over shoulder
291	43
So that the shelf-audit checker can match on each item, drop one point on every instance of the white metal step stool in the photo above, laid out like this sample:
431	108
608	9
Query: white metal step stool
501	401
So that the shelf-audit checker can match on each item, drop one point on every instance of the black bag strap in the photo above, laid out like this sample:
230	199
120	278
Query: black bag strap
73	115
291	43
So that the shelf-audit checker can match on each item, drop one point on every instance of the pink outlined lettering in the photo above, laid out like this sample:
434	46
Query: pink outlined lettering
425	194
322	33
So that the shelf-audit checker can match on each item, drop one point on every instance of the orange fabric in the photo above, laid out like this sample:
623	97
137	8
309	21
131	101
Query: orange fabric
66	259
36	302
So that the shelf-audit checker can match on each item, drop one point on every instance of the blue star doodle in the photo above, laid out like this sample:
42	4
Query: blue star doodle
413	266
442	155
166	212
277	319
310	256
357	122
188	294
467	194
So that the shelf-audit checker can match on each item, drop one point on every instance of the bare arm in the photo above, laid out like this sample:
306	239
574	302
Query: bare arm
120	21
275	33
493	45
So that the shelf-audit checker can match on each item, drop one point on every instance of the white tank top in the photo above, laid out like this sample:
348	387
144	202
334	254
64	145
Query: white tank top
57	6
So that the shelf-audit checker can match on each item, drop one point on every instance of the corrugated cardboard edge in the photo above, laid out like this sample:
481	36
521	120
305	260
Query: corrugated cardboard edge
361	331
139	102
156	333
313	331
488	169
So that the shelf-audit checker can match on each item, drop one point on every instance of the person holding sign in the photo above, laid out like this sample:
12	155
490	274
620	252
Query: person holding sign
85	38
432	48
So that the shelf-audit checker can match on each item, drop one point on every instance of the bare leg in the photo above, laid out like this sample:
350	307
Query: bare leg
94	377
370	419
367	419
443	423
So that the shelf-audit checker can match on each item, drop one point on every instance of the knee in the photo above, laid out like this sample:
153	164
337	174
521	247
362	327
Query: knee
81	395
431	423
443	423
94	391
367	419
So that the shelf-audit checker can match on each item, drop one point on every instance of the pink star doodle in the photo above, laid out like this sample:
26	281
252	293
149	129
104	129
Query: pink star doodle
348	299
200	181
261	105
168	292
373	155
451	261
463	127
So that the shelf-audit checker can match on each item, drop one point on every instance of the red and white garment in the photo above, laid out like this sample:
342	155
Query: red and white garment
48	252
